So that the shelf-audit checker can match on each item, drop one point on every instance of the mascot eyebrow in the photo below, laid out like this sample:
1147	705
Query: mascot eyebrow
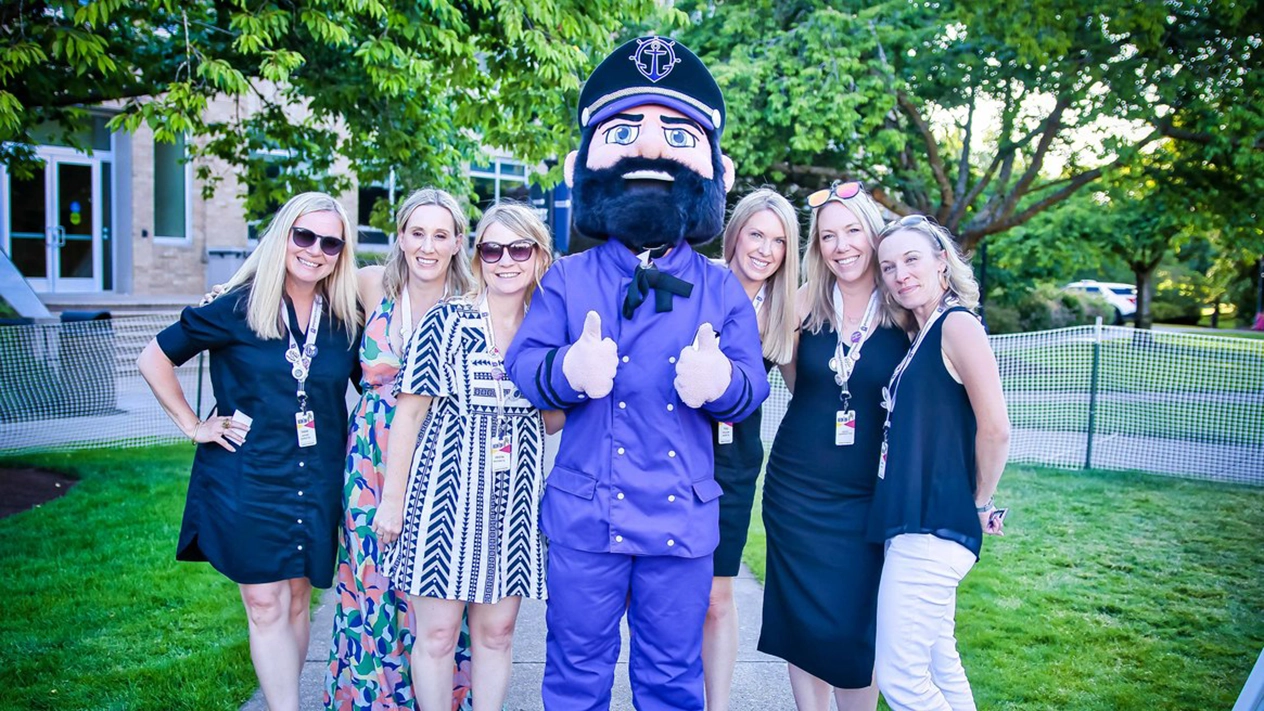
666	120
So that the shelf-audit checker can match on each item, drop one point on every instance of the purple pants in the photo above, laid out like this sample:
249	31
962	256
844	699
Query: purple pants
666	599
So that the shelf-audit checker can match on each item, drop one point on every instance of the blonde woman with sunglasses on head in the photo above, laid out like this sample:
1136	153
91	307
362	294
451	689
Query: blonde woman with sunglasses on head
265	494
460	507
821	583
761	247
946	442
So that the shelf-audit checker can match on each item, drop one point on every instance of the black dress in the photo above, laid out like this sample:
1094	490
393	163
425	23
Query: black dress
737	466
269	511
821	583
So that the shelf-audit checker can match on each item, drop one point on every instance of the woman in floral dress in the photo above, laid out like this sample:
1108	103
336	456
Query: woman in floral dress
372	631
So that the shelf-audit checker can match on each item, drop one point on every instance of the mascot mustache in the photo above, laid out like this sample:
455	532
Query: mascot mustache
647	202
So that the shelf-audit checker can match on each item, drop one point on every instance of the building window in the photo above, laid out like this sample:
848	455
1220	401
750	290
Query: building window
502	179
171	190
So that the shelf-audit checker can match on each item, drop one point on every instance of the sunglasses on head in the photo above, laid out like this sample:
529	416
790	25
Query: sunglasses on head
305	238
491	252
839	191
934	227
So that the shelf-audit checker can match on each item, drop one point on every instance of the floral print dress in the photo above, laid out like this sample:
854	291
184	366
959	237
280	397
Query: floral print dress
372	631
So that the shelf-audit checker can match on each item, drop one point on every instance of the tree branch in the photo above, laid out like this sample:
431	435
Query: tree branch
963	171
932	149
1052	124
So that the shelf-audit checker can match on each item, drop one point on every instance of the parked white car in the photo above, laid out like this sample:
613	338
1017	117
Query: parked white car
1121	296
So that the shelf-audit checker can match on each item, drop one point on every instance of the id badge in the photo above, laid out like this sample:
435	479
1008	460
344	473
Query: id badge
882	460
844	428
501	455
724	433
305	423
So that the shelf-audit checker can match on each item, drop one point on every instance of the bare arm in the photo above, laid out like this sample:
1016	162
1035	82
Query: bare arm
553	420
966	347
801	307
410	412
369	286
160	373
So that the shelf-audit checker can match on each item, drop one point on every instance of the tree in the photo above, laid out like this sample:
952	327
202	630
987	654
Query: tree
895	93
382	84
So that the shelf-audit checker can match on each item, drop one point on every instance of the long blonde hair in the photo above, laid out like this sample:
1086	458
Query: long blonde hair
819	278
525	223
958	273
778	320
264	270
458	279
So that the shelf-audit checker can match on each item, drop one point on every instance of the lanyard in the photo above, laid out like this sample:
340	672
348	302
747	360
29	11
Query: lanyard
406	309
301	359
498	369
758	301
888	392
844	364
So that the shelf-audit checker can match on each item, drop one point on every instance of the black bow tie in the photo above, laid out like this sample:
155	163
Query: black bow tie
664	286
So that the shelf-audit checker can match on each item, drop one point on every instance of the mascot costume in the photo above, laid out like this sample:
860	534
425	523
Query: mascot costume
642	342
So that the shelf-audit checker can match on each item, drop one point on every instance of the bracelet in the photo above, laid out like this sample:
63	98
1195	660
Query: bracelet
991	504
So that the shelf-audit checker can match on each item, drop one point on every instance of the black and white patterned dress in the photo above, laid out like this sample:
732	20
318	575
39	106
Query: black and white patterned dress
469	532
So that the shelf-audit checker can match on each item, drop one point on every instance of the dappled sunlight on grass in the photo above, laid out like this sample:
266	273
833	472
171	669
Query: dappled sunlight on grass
1112	591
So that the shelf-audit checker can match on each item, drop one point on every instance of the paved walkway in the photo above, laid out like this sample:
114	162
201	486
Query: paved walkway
759	683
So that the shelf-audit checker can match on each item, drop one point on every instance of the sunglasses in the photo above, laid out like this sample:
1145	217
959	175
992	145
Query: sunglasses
491	252
932	226
305	238
839	191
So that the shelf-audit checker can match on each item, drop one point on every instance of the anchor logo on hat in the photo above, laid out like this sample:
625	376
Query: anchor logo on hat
649	58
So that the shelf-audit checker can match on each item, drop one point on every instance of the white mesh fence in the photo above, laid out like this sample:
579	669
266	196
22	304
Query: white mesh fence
1164	402
1156	401
74	385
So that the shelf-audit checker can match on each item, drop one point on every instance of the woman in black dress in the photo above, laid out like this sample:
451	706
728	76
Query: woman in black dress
821	585
265	494
761	248
947	438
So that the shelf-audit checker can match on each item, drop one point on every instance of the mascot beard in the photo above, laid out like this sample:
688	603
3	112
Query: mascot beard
647	213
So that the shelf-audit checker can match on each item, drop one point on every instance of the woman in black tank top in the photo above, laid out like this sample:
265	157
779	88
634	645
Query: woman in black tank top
945	444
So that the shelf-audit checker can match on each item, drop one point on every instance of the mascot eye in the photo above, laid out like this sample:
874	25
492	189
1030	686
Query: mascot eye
623	134
680	138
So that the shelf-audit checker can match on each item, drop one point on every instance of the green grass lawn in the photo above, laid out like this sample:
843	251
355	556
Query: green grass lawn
1110	591
99	615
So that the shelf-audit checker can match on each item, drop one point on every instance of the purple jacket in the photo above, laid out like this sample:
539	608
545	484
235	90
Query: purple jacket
634	474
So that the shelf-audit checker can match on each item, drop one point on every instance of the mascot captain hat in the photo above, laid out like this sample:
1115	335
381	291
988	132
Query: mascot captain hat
652	70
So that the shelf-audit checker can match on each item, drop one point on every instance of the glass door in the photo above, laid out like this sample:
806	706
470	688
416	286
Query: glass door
75	225
29	237
54	225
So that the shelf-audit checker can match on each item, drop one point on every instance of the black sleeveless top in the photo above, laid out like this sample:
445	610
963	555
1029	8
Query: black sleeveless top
929	483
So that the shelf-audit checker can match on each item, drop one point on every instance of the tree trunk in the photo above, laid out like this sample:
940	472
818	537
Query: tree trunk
1215	314
1144	274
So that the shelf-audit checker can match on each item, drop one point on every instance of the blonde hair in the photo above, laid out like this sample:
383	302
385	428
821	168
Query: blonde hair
779	320
819	278
264	270
960	276
525	223
458	278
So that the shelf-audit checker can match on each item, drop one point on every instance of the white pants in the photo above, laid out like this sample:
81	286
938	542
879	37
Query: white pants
916	662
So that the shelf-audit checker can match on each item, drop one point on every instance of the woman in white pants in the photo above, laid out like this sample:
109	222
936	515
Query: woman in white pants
945	444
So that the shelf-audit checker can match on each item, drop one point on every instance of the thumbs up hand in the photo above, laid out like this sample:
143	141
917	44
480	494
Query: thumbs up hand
590	363
703	371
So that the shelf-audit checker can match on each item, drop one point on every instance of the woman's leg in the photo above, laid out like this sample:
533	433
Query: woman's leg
915	601
945	664
273	643
438	626
301	616
719	644
810	693
491	651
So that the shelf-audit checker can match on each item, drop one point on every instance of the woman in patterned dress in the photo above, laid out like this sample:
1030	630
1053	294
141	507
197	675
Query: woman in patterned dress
465	513
372	632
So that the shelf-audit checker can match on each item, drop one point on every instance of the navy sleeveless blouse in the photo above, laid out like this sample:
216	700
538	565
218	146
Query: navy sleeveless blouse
929	483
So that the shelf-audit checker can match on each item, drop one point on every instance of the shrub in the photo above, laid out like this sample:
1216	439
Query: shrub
1047	307
1173	305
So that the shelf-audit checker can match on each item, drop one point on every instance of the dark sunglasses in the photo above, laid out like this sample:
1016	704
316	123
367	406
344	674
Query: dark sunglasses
491	252
840	191
917	221
305	238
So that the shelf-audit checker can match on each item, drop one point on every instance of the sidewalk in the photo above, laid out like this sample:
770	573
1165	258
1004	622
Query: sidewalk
760	681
